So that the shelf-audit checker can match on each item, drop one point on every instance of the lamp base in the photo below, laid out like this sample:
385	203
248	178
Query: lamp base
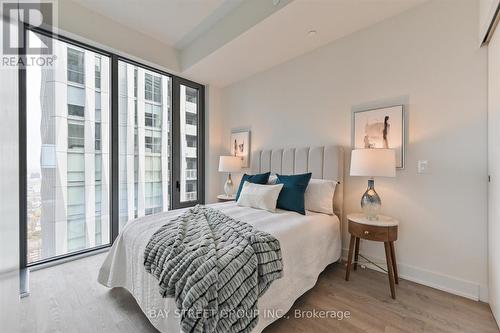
228	186
370	202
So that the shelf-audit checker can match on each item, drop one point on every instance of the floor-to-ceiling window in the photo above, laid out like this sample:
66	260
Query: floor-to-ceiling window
189	138
67	105
145	110
107	140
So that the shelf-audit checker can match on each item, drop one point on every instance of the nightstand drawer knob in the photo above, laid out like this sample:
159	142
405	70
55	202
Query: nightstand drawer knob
366	232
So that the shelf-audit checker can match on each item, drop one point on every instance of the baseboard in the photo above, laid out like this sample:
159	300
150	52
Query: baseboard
431	279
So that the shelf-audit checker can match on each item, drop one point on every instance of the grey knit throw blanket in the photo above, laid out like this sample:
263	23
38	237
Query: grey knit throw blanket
215	267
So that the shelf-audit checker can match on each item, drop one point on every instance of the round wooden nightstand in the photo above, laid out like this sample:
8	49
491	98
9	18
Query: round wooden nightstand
385	229
223	197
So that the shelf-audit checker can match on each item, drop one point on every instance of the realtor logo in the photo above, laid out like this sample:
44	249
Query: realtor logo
35	14
17	48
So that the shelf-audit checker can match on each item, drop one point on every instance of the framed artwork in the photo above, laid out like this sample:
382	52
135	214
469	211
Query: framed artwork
381	128
240	146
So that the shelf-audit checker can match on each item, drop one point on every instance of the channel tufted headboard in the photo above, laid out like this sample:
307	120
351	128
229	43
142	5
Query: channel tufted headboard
325	162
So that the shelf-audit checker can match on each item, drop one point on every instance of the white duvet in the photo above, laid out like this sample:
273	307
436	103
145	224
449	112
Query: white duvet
308	243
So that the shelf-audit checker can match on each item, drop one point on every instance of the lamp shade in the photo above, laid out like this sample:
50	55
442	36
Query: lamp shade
373	162
229	164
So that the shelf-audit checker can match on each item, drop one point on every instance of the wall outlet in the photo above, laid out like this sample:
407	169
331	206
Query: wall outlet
423	166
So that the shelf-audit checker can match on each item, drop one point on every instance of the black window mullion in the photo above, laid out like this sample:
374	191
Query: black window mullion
201	144
176	145
23	186
115	157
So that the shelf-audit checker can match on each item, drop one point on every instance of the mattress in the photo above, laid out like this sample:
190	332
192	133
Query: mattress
308	242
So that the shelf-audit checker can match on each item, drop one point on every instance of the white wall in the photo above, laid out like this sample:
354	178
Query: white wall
487	9
494	171
9	203
428	57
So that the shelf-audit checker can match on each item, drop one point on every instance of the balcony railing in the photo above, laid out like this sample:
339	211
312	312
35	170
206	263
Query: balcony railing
191	174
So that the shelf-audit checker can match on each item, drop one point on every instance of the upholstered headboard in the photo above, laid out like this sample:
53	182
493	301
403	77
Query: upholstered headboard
323	162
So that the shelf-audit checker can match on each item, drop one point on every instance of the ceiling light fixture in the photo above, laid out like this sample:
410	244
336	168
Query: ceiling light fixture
312	33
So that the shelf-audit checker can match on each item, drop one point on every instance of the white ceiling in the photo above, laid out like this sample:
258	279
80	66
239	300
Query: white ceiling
256	41
169	21
284	35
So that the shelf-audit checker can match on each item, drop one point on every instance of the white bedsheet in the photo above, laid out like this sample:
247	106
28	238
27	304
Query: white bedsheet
308	243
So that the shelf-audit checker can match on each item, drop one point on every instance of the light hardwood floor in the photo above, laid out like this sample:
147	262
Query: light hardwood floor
66	298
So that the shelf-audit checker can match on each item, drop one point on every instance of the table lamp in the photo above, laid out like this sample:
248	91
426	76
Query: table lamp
372	163
229	164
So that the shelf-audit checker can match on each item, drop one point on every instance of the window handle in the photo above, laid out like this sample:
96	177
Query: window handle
178	185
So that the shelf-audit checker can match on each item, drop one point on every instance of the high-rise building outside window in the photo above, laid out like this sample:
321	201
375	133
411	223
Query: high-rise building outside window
144	188
66	179
189	139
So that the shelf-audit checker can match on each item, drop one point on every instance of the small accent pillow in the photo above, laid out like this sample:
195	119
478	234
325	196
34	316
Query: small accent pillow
319	196
292	194
260	178
259	196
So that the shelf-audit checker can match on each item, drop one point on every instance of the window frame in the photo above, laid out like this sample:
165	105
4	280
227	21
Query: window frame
114	59
176	147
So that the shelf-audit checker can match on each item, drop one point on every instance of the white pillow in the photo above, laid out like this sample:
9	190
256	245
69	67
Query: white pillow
259	196
319	196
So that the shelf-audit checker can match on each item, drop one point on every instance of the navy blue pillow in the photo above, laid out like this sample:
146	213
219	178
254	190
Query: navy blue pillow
292	194
260	178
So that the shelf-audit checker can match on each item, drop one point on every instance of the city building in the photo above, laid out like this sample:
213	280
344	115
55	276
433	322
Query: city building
74	154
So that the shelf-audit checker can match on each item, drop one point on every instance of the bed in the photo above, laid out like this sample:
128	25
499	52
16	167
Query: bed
308	242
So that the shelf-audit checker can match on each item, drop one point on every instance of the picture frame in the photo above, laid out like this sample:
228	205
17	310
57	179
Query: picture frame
382	127
240	146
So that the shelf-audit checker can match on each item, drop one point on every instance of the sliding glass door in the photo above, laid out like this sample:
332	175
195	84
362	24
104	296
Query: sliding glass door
67	152
104	140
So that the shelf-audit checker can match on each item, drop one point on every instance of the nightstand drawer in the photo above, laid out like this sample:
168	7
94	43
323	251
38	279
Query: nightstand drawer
375	233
